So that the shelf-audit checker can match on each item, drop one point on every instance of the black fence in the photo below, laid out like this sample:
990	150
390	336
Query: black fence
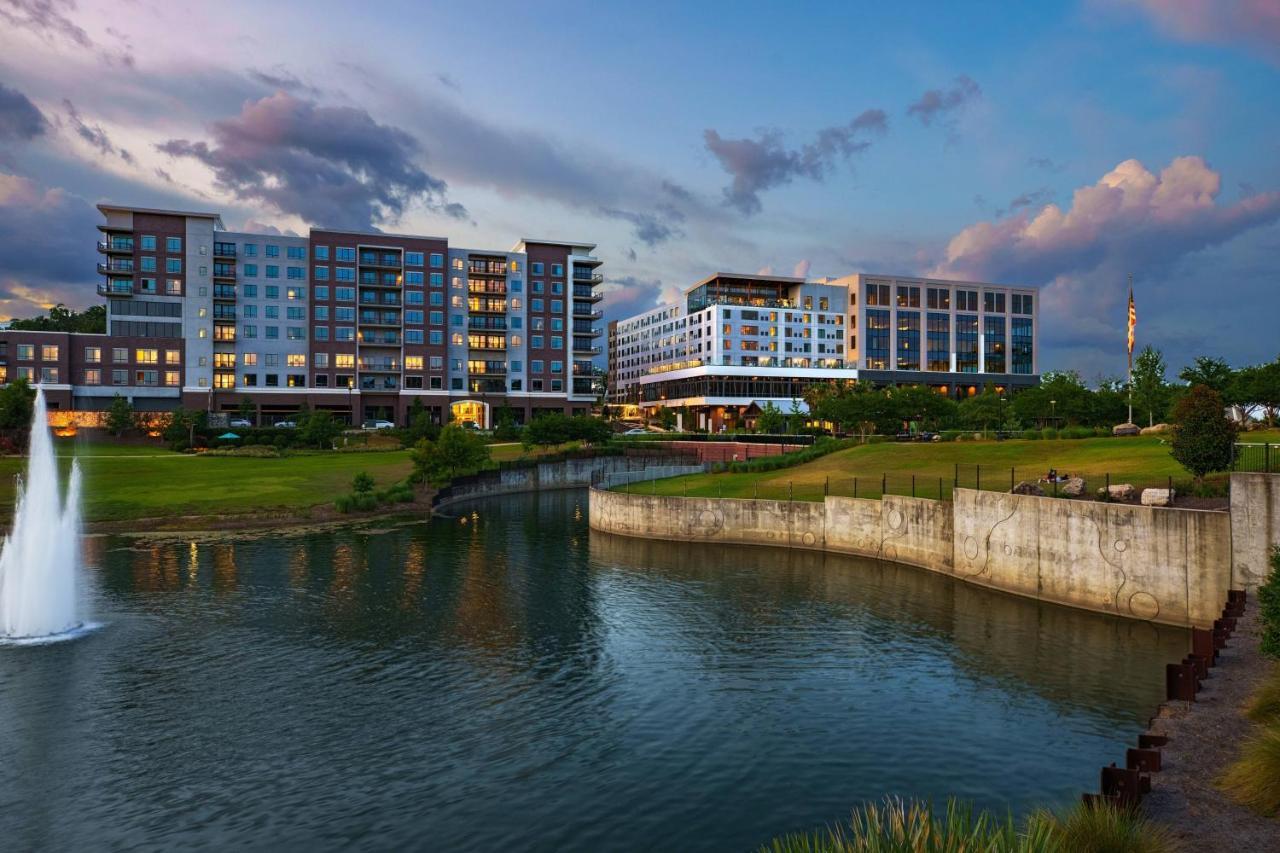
1258	458
741	437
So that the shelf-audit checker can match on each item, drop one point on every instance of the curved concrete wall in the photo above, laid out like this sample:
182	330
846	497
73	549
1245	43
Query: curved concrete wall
1163	565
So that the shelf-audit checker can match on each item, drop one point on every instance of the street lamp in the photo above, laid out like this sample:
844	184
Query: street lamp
1053	408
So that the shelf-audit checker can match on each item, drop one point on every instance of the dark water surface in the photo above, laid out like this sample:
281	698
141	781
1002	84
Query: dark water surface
521	683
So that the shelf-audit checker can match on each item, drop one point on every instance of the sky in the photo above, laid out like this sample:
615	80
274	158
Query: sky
1058	145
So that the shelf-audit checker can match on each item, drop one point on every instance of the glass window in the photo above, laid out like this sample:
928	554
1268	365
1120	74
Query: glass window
994	333
49	352
148	243
296	253
173	244
321	253
93	355
273	271
173	265
272	251
966	343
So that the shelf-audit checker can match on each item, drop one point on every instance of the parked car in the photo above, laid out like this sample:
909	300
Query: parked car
286	424
377	424
636	431
239	423
470	425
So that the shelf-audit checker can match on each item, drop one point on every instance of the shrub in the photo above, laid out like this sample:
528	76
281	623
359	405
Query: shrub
1098	829
1253	779
952	434
253	452
1269	603
1049	433
1203	436
1032	434
343	503
362	483
1264	706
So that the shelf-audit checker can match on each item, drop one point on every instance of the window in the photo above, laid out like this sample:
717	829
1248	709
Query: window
273	271
413	259
148	263
321	292
321	312
49	352
171	378
344	273
93	376
296	359
877	354
557	269
271	312
437	279
909	338
250	359
295	273
993	303
296	333
172	356
344	360
296	253
93	355
344	333
1022	343
149	285
173	245
321	274
273	359
173	286
413	362
344	294
272	291
147	356
966	342
966	300
148	243
173	265
320	380
119	377
437	318
1022	303
250	311
295	312
272	380
250	331
321	253
320	333
413	278
436	337
297	380
272	251
146	377
877	294
119	355
536	267
413	336
413	317
938	356
437	260
345	253
272	332
251	250
224	380
994	334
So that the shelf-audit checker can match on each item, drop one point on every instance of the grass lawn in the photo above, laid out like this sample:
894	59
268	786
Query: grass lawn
1142	461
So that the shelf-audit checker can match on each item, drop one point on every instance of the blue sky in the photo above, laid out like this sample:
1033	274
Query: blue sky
1060	145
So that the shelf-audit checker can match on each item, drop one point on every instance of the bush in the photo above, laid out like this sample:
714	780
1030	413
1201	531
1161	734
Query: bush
1269	603
821	447
952	434
1253	779
1203	437
1049	433
253	452
1032	434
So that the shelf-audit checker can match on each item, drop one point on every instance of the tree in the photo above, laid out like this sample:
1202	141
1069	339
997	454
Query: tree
180	429
248	410
588	430
505	428
319	430
63	319
1257	387
17	407
455	453
362	483
922	406
1149	385
1061	397
1203	435
795	419
421	426
666	418
119	416
983	410
546	430
1208	371
770	420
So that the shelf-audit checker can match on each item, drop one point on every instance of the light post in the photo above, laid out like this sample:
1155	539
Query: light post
1053	408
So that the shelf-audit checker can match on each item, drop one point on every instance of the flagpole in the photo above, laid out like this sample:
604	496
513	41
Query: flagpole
1130	347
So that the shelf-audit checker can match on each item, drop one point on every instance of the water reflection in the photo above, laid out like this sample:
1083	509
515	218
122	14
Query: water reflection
520	681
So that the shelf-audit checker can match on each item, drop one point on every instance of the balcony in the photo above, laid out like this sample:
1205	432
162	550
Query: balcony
583	386
224	271
488	386
588	293
581	350
379	339
224	312
224	250
581	312
586	276
224	292
389	260
116	246
493	343
375	318
487	268
386	383
115	288
485	323
114	267
386	279
487	306
387	299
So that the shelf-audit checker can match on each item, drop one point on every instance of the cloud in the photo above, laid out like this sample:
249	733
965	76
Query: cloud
46	247
650	228
50	21
1031	198
95	135
628	295
801	269
332	166
281	79
764	162
20	120
1251	24
445	79
936	103
1046	164
1131	220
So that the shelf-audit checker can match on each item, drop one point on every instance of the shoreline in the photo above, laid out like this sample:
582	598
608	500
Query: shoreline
318	516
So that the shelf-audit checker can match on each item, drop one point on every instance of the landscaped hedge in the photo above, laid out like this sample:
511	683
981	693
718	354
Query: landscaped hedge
819	448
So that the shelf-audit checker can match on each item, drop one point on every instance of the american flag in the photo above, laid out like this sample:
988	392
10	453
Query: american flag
1133	319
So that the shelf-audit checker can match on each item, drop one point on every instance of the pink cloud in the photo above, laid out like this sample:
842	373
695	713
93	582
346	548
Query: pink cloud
1252	23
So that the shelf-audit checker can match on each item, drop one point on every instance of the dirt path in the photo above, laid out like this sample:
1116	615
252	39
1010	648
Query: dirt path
1204	737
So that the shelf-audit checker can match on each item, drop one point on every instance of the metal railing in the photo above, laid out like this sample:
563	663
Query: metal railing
1258	458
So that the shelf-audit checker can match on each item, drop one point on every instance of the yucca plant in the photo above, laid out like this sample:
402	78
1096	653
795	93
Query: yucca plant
1253	779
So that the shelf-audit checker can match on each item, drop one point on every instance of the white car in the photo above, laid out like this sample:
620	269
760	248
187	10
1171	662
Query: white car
286	424
377	424
239	423
636	431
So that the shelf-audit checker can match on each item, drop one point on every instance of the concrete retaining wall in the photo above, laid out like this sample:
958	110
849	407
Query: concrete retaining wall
1255	526
565	474
1164	565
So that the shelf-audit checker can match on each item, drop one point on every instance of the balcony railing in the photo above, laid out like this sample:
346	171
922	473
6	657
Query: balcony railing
487	267
585	313
109	267
115	288
224	270
495	288
495	323
588	293
581	350
380	339
224	291
387	299
375	318
380	365
116	246
581	274
386	279
224	250
387	383
380	259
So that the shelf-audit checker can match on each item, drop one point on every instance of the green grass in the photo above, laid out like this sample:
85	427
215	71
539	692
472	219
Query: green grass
1142	461
126	485
900	826
1253	779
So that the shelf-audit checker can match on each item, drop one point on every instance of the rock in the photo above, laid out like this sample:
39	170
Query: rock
1158	497
1074	487
1125	429
1155	429
1121	492
1028	488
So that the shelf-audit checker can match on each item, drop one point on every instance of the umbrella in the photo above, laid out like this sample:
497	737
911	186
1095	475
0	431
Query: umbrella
228	436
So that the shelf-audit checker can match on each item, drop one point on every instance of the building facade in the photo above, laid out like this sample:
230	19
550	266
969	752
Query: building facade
735	343
359	324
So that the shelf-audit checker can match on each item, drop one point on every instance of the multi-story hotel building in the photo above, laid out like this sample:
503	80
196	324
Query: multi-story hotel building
360	324
737	341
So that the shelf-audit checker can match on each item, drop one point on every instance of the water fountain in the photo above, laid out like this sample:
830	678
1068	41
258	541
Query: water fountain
40	560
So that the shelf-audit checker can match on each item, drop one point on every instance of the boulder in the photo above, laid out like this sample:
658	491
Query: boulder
1125	429
1158	497
1121	492
1155	429
1028	488
1073	488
